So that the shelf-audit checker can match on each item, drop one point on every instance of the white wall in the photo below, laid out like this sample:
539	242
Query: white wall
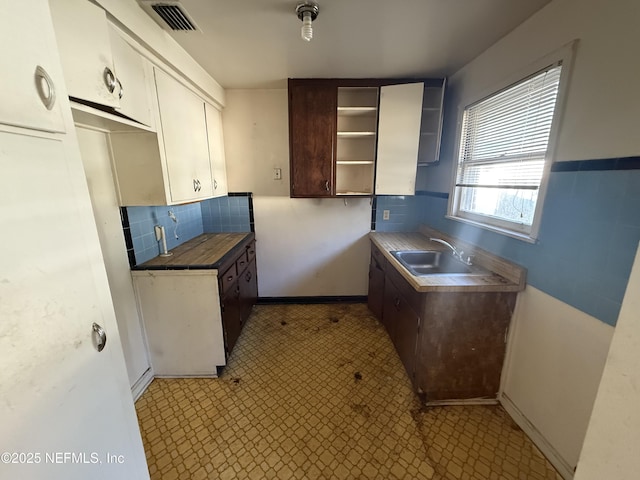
559	352
611	445
555	360
305	247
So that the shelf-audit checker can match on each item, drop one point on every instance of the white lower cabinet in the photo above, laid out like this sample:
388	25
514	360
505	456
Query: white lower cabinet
182	318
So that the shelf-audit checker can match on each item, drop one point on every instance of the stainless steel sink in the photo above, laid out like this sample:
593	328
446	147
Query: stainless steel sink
433	262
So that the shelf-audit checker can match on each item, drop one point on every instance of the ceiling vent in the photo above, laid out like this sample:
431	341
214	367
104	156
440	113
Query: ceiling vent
170	15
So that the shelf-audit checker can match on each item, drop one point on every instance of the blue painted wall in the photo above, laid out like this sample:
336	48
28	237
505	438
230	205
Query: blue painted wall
586	245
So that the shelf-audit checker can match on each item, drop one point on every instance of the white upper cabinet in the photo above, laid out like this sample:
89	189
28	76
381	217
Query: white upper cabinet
398	138
131	71
184	132
31	76
216	150
85	50
173	165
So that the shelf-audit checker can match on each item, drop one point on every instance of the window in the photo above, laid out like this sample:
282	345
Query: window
504	151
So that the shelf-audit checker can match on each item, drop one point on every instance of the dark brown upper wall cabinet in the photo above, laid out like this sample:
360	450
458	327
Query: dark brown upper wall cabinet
312	133
357	137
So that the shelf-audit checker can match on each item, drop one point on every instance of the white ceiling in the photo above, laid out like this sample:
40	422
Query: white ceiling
257	44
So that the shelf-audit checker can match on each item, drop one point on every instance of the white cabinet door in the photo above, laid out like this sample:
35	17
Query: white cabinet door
181	314
26	99
216	151
399	120
85	51
130	72
59	395
184	136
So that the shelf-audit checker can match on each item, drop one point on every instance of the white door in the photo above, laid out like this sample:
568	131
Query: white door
216	150
399	120
184	133
63	405
94	151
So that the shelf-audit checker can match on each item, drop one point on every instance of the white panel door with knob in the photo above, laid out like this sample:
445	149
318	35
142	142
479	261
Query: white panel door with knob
65	410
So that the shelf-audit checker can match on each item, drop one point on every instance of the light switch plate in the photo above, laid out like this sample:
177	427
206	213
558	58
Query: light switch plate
277	174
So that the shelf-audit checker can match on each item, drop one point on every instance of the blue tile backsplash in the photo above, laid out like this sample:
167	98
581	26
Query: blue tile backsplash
224	214
143	219
403	213
588	238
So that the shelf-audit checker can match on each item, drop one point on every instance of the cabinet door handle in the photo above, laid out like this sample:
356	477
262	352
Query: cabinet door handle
326	185
229	278
248	276
46	88
242	263
396	303
109	79
215	184
120	89
98	337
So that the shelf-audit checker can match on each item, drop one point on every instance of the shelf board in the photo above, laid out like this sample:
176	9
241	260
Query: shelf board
428	133
430	109
346	111
356	134
354	162
354	194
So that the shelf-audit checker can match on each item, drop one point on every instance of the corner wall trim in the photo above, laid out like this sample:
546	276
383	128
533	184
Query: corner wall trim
142	384
548	450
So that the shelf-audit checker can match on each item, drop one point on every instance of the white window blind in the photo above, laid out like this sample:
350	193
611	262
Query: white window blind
503	150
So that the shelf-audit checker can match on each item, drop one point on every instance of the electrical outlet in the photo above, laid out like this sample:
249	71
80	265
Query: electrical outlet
277	174
385	214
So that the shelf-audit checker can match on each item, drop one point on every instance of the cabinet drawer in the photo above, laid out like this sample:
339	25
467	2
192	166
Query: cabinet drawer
377	255
251	251
412	296
228	277
242	263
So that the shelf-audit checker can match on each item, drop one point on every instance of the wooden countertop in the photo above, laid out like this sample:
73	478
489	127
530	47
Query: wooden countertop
501	275
206	251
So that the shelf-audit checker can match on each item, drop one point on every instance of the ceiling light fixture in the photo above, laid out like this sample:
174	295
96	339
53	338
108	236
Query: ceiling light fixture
307	12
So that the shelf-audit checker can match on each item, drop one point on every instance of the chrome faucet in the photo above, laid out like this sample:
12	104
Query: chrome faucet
457	254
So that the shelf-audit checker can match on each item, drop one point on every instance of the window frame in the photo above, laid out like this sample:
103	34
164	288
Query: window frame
563	56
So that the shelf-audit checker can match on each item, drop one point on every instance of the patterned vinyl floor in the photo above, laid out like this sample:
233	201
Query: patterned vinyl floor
318	392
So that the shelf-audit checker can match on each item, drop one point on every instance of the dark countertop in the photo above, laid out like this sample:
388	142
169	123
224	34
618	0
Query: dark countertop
206	251
501	275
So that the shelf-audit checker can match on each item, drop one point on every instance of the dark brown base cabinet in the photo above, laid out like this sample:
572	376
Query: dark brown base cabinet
238	293
452	344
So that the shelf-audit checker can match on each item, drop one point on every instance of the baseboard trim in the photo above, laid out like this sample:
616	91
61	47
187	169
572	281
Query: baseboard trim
208	375
142	384
311	300
469	401
560	464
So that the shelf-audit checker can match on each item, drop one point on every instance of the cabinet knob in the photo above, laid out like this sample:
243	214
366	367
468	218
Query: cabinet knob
396	303
109	79
229	278
46	88
326	185
248	276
